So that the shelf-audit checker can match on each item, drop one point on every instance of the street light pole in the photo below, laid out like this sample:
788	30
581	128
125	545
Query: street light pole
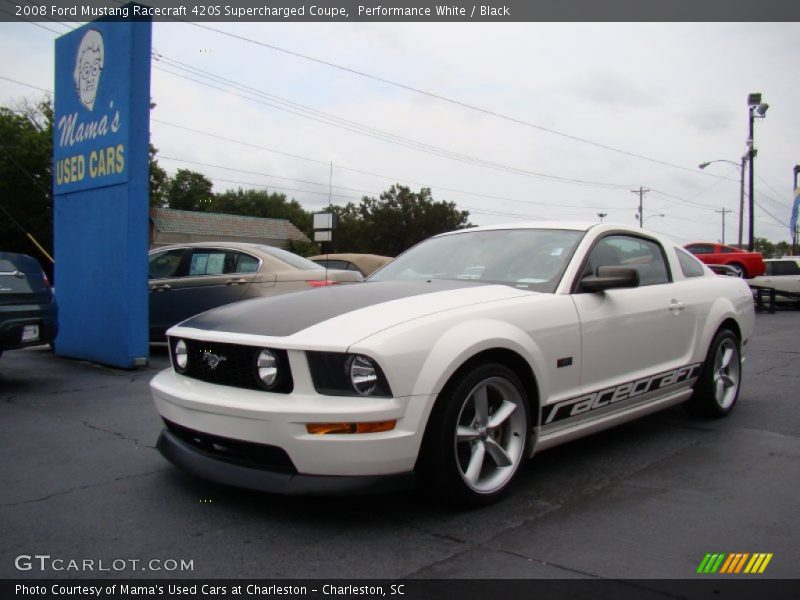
651	216
758	110
741	187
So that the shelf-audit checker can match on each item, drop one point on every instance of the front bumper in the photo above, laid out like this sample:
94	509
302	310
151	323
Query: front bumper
206	466
266	421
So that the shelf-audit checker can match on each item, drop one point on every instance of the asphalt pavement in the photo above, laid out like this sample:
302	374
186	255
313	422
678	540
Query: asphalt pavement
82	481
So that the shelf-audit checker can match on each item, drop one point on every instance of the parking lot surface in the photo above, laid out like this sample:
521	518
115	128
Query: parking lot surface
83	481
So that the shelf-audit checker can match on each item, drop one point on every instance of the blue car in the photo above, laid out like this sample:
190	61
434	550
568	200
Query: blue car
28	311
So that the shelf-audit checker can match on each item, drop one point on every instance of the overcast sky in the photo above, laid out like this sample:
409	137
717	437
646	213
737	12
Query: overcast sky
673	94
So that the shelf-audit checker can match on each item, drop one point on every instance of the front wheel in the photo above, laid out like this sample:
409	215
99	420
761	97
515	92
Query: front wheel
477	436
739	270
717	389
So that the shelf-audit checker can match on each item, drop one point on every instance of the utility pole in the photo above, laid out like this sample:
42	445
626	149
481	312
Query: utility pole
641	191
795	208
741	198
724	211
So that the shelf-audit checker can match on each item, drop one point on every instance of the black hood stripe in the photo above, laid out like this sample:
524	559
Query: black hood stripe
287	314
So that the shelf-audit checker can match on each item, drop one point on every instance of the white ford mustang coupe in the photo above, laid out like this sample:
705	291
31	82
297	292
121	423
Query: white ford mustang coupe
453	363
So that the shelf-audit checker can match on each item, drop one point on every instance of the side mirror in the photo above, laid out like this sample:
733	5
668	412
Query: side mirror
610	277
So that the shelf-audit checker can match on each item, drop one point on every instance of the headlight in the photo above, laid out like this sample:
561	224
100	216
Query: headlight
339	374
267	365
363	375
181	356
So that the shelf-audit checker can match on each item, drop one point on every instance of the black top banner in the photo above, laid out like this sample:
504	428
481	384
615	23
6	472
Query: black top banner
407	11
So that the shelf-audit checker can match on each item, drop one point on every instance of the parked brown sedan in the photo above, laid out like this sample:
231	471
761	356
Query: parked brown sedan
366	264
188	279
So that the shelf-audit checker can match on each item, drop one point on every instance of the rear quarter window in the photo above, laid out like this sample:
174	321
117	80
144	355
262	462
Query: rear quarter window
690	266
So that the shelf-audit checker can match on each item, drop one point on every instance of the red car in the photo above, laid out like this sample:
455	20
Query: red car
746	264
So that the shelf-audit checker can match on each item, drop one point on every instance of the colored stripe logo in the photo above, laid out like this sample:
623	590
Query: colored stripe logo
734	563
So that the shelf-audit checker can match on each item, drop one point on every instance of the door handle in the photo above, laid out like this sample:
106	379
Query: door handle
160	287
236	281
676	306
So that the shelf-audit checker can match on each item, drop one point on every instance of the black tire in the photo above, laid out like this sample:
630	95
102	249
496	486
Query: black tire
740	270
465	445
717	388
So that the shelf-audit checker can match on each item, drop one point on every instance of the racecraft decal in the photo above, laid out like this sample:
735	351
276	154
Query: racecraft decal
589	402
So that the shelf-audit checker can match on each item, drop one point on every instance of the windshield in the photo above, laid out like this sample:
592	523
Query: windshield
525	258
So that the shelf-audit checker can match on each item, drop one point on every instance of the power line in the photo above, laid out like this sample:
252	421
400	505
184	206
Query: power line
262	185
363	172
469	208
26	84
24	170
451	100
355	127
300	157
192	162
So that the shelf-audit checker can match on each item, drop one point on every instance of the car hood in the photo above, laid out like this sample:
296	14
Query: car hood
343	314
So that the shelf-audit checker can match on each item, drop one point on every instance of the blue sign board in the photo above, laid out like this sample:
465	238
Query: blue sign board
101	191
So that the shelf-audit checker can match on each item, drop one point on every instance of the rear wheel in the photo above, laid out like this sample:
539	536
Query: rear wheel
477	436
717	389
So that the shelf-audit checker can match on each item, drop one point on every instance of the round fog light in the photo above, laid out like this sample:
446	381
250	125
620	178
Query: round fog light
267	365
363	375
181	356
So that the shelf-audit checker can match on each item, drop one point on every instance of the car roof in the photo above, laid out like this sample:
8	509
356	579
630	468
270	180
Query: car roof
570	225
348	256
215	244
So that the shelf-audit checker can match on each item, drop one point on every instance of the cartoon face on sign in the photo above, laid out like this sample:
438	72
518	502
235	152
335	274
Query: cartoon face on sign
88	67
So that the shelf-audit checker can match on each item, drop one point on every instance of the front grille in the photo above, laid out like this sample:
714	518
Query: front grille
236	366
246	454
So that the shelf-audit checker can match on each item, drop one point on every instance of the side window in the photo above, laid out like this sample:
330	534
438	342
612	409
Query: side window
690	266
207	261
783	267
239	262
165	264
700	249
643	255
726	250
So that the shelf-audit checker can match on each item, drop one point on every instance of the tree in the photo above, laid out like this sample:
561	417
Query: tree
394	222
26	178
261	203
26	146
159	181
764	246
190	190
